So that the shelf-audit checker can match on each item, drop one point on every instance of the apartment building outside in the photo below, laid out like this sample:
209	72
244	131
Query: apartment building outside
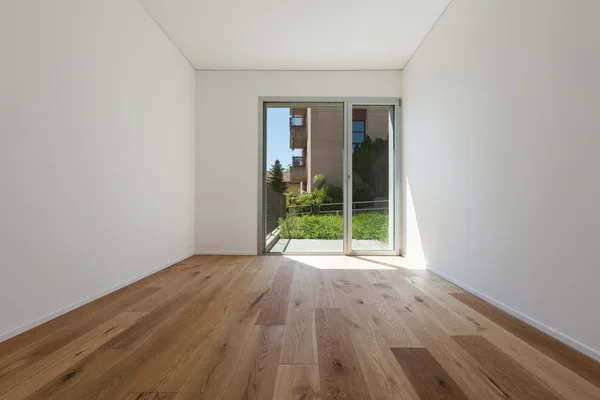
318	134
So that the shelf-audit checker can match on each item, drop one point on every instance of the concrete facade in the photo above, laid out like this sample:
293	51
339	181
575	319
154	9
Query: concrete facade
322	150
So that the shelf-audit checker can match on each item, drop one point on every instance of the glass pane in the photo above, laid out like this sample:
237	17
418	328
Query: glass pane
304	178
358	126
358	137
373	182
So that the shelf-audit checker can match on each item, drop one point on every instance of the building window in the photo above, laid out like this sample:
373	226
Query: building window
297	116
297	120
358	133
359	118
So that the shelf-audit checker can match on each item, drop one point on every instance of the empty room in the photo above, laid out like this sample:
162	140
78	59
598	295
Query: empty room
318	200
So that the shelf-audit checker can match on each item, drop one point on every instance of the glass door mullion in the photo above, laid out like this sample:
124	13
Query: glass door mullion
347	177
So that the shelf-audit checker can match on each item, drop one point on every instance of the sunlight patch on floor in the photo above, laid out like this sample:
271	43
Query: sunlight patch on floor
356	263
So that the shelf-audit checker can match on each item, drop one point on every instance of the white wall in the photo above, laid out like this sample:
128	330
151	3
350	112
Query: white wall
501	139
227	137
96	154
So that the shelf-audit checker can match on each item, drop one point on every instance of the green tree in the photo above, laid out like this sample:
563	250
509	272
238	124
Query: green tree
275	180
370	163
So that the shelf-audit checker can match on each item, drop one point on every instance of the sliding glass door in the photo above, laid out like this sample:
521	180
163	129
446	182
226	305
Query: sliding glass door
304	177
328	177
371	154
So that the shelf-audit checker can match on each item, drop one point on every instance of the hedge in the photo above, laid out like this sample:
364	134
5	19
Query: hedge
365	226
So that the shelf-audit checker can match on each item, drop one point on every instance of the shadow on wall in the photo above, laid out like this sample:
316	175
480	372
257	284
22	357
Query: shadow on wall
414	253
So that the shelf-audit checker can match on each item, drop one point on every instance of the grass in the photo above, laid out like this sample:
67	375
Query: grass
365	226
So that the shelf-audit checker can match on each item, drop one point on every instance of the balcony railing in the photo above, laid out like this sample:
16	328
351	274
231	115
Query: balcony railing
298	161
376	206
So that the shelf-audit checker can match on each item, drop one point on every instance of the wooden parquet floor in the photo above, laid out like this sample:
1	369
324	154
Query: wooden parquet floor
303	328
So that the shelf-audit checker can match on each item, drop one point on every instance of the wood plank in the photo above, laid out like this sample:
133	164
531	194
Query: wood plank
164	362
579	363
504	372
197	337
184	342
177	282
90	368
342	289
301	292
129	366
300	339
195	262
391	327
297	382
239	274
407	298
210	376
561	379
383	376
256	371
147	360
265	274
275	306
463	369
447	286
146	326
60	326
445	299
151	396
57	334
340	373
206	266
322	290
427	376
42	372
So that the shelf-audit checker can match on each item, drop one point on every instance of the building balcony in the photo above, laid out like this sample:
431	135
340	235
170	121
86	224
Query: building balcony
298	131
297	120
298	170
298	161
298	137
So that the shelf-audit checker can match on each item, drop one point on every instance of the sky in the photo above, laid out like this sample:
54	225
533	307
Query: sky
278	137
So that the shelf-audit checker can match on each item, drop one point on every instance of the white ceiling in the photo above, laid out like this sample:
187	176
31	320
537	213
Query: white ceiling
296	35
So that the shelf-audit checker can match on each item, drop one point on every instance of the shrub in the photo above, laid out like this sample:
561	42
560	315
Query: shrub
362	193
366	226
370	226
312	227
308	202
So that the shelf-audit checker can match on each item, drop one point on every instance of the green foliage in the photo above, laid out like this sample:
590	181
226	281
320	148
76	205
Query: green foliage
312	227
370	163
370	226
362	193
322	194
319	180
333	194
365	226
275	180
303	202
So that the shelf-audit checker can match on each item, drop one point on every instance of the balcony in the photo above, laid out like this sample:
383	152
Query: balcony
298	132
298	171
298	161
297	120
